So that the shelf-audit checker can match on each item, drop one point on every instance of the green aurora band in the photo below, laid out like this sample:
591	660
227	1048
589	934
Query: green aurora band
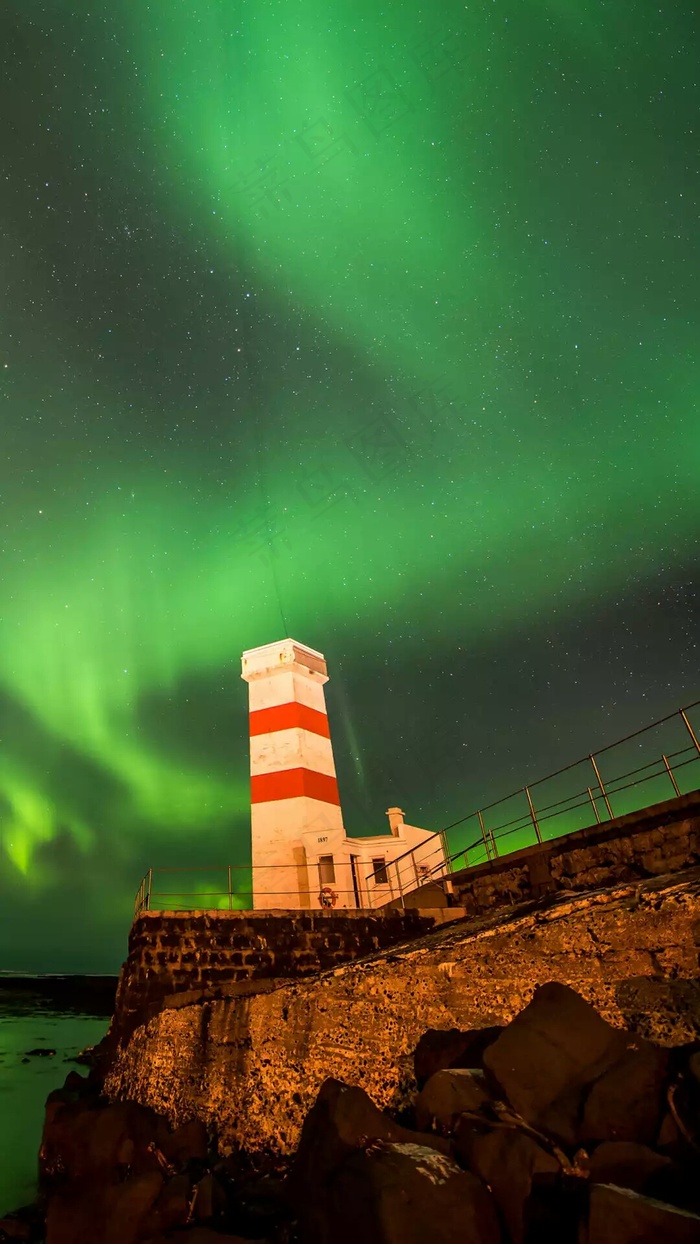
437	275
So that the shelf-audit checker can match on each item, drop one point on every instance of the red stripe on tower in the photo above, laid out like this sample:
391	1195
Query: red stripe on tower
291	783
288	717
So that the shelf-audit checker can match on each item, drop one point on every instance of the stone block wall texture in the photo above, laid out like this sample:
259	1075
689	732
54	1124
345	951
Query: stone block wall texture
252	1066
175	953
661	839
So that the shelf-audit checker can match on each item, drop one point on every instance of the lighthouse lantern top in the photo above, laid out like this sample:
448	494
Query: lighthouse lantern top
283	655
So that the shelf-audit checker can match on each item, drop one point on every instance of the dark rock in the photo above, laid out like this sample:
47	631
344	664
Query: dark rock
130	1205
627	1102
210	1199
172	1207
257	1205
620	1216
98	1211
75	1083
549	1055
669	1139
84	1139
17	1227
439	1048
187	1143
553	1212
200	1235
627	1165
406	1194
342	1119
85	1057
508	1162
448	1093
39	1053
25	1223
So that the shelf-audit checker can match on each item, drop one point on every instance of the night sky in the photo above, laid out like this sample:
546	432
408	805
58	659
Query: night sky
375	324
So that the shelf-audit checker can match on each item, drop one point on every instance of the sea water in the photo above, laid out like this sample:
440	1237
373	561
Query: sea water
65	1014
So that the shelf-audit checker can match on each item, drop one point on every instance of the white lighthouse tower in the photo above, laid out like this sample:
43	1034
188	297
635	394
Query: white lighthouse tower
293	785
301	854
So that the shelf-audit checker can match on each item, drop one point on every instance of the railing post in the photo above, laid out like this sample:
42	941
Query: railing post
595	806
415	869
148	893
398	882
670	774
445	851
532	814
484	835
230	900
599	780
690	730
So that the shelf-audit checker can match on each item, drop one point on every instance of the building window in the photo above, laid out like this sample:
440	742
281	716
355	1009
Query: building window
379	870
326	871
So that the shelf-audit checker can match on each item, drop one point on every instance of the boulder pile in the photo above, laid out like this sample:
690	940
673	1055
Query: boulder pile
557	1129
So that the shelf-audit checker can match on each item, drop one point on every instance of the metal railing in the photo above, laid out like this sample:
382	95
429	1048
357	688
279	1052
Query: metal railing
245	887
485	846
305	886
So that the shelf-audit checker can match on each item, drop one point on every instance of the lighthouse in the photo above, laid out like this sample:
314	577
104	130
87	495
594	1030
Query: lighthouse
293	784
301	854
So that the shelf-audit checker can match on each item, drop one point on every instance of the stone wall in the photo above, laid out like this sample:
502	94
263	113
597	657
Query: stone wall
661	839
175	953
251	1066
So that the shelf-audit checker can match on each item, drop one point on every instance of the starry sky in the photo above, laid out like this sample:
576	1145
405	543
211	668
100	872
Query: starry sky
370	323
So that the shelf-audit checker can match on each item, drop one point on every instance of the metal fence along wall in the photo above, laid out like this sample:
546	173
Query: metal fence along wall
240	887
596	788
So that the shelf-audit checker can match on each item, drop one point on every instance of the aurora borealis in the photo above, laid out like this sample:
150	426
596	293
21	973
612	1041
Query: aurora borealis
351	322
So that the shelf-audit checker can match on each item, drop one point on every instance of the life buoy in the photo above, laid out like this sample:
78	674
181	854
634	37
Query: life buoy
327	897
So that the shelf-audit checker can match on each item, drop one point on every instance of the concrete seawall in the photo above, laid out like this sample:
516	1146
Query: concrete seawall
251	1066
176	953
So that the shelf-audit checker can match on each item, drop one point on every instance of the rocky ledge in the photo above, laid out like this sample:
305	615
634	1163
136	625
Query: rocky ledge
558	1127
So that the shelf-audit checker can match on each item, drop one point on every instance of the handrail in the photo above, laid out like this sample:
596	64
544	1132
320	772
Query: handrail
488	836
565	769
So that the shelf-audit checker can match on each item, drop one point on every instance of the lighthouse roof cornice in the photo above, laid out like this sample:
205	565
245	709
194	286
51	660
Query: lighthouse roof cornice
282	656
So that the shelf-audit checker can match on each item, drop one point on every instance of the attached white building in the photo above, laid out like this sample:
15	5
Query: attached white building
301	853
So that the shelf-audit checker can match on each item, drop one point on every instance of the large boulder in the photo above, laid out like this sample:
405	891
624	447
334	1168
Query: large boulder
448	1093
510	1163
627	1102
620	1216
81	1140
550	1055
628	1165
112	1214
406	1194
172	1207
450	1047
188	1143
342	1120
